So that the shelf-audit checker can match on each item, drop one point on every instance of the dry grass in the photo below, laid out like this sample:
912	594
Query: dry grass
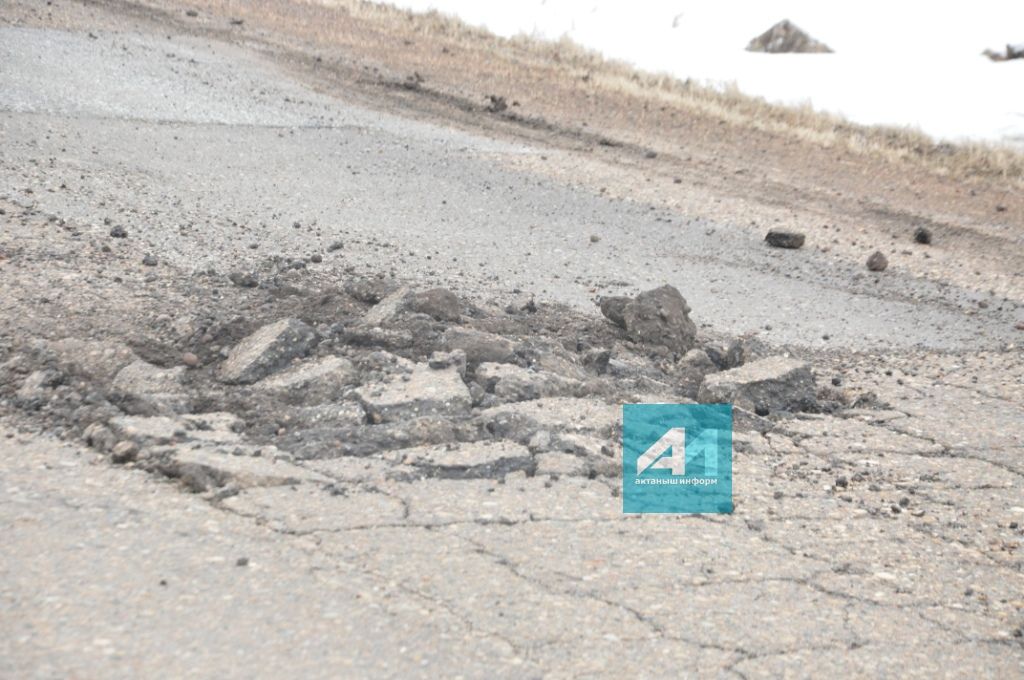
901	145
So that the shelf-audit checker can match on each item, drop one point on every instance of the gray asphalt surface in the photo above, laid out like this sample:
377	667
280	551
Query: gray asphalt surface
910	567
219	150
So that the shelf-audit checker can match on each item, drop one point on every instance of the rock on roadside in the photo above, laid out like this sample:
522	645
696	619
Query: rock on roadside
877	262
775	384
779	238
266	351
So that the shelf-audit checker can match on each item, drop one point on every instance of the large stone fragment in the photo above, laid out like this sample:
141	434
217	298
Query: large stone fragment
520	421
480	346
267	350
312	382
660	317
387	309
439	303
99	361
39	384
215	427
466	460
423	391
514	383
202	467
767	385
159	388
785	37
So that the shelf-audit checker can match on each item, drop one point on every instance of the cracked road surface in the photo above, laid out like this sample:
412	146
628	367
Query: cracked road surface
278	530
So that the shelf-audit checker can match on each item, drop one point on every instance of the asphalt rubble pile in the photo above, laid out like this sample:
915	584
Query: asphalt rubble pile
424	379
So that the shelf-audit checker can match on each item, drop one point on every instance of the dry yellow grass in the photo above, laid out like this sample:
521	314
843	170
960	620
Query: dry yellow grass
961	160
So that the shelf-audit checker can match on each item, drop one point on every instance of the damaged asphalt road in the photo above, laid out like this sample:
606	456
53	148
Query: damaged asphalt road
291	386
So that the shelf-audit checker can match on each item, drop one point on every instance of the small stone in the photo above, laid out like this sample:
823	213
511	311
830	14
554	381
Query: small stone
895	509
842	482
877	262
336	245
1019	326
99	437
457	358
594	238
316	258
150	260
923	235
190	360
119	232
612	307
837	381
778	238
124	452
242	562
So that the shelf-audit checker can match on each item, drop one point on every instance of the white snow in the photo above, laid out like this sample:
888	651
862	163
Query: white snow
896	62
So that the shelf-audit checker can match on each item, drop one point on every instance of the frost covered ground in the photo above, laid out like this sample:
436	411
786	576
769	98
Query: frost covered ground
895	63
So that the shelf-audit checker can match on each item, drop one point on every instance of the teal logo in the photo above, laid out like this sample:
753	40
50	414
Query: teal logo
677	458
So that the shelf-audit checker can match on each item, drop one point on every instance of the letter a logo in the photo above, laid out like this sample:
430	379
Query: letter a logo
674	442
